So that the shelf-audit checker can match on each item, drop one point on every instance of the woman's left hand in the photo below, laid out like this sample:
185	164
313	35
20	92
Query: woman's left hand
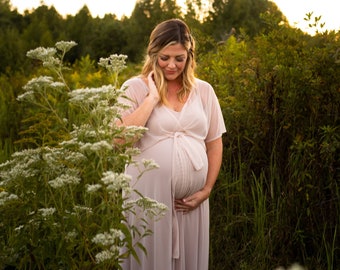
192	202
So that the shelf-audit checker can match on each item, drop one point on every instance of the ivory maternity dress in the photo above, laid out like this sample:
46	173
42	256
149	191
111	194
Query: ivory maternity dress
176	141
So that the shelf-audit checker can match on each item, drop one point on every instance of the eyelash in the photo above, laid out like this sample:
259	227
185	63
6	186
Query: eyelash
167	58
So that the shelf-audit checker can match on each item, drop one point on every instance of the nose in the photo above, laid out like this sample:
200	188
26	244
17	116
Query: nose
172	63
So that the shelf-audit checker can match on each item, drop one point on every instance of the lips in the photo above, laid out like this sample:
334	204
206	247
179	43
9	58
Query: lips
170	72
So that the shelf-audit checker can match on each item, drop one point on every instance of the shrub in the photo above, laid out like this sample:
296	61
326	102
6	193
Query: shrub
62	201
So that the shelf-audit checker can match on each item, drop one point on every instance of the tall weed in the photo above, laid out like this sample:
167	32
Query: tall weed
63	200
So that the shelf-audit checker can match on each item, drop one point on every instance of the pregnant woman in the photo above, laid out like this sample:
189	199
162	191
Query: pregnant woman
184	137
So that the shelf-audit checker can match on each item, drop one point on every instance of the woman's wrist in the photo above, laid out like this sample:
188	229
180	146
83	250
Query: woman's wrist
207	190
153	98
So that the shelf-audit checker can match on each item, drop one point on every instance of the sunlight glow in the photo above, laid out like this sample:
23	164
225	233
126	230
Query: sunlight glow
294	10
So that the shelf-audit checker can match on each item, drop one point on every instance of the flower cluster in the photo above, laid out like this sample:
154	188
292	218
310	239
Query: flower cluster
150	207
114	63
110	241
65	179
116	182
5	197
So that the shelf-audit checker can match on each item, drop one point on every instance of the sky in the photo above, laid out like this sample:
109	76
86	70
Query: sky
294	10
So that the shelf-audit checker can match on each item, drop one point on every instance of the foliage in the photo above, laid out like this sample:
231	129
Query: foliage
9	121
63	201
279	186
242	16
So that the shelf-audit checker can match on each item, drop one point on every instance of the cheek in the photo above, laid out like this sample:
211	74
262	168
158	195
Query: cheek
161	64
181	66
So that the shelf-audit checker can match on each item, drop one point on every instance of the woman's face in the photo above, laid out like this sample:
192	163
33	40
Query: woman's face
172	60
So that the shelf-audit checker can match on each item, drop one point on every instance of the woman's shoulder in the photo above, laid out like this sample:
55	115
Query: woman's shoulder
203	87
137	80
135	88
135	84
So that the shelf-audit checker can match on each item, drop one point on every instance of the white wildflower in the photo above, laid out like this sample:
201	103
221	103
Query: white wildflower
28	95
64	179
19	228
114	63
108	238
47	211
75	157
41	53
115	249
51	62
151	207
132	151
85	131
37	83
116	181
133	131
57	85
5	197
296	266
56	157
93	188
71	235
65	46
104	256
24	164
80	208
97	146
90	134
46	55
27	152
70	143
90	95
149	164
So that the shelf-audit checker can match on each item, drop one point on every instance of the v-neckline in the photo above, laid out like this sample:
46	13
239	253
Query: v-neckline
167	107
183	107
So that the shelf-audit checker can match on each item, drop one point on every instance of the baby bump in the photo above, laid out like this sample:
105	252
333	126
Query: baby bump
186	186
188	179
182	162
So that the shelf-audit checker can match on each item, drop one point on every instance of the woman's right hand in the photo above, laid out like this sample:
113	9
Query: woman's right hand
153	91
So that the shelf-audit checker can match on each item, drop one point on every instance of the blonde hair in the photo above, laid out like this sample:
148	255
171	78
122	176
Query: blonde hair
170	32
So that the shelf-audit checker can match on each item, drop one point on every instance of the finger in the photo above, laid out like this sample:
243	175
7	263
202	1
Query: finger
150	77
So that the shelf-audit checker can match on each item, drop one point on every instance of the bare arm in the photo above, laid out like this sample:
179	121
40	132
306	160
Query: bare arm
214	153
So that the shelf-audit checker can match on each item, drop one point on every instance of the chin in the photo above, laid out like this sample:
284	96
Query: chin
171	77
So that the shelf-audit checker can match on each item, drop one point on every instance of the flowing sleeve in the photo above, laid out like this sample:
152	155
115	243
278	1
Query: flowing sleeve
216	125
134	93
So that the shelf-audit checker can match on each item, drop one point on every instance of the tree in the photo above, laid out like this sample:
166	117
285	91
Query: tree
44	26
109	37
147	13
241	15
80	29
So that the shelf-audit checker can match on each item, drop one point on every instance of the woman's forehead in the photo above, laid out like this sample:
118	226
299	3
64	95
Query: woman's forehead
174	49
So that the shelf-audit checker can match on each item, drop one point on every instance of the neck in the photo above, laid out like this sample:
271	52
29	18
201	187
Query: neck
174	86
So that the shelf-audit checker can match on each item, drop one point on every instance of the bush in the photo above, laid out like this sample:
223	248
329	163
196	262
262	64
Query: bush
277	198
62	201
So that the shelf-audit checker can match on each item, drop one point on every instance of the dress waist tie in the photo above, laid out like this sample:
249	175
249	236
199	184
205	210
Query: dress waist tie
181	142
